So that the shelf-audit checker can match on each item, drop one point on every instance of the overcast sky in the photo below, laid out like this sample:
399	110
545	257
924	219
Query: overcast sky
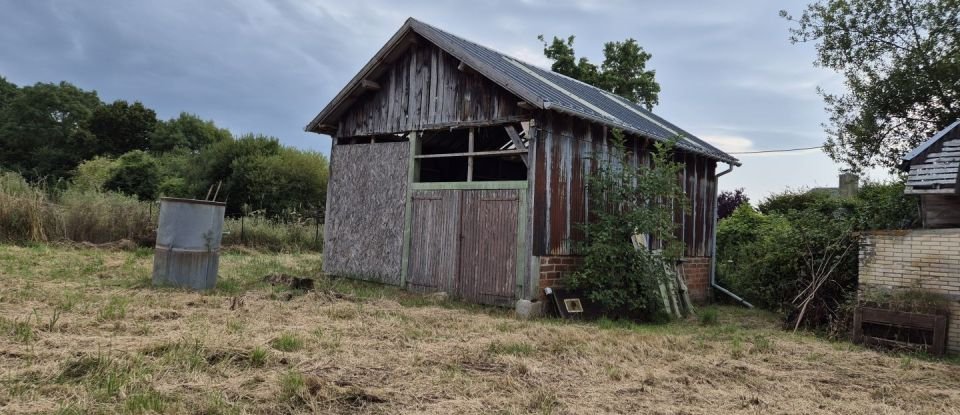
727	71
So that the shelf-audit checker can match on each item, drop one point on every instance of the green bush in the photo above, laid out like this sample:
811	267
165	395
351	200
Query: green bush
136	174
770	257
626	202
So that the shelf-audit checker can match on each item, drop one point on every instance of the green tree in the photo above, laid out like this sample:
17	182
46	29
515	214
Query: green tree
8	91
121	127
186	132
93	174
43	130
623	71
291	180
625	202
136	173
223	162
901	64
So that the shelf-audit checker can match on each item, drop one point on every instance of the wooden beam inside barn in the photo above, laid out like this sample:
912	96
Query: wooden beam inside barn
517	142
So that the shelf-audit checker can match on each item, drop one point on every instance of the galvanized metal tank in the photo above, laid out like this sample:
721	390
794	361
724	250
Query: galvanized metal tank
187	253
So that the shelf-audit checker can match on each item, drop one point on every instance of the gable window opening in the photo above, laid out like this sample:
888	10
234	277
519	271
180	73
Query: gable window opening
476	154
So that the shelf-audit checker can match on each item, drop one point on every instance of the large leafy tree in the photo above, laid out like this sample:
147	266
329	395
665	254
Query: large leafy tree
623	71
901	63
44	130
121	127
187	132
8	91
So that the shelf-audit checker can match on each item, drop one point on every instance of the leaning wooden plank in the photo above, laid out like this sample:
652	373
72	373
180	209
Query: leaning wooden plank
517	142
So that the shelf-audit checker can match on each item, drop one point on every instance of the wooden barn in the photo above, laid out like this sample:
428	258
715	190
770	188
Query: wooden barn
457	168
932	174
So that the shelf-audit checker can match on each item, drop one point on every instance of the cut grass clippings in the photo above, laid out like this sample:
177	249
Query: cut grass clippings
82	331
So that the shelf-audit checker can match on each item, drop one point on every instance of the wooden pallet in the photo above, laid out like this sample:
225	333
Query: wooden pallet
935	324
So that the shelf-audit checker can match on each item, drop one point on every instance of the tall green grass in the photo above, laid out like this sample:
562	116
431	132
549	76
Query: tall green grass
35	214
263	233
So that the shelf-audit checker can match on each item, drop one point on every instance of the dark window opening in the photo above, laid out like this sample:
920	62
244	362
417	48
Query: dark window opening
472	154
383	138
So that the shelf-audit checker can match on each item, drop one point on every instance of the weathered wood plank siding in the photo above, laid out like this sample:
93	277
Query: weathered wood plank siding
940	210
565	150
488	251
363	234
423	90
434	240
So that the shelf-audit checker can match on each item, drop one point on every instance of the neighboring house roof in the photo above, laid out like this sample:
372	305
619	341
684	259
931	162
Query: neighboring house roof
543	88
934	165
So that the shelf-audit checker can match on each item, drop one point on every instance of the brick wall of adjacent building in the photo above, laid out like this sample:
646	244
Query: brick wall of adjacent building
926	259
696	271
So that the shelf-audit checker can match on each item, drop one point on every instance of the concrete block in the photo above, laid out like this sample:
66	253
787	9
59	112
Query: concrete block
527	309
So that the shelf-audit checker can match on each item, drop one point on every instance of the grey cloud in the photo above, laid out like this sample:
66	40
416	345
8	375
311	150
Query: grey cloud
269	66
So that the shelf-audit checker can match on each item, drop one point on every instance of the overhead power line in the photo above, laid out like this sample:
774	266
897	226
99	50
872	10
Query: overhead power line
776	151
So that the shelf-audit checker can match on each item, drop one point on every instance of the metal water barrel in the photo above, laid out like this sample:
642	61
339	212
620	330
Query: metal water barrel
187	253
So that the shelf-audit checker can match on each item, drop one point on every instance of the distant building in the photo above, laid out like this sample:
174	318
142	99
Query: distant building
848	187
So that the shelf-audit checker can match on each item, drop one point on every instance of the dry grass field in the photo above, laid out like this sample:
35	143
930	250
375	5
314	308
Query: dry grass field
82	331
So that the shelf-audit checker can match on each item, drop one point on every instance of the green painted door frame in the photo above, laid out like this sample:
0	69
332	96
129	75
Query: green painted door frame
413	185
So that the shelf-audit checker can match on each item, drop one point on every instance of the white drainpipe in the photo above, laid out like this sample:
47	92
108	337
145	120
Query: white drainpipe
713	258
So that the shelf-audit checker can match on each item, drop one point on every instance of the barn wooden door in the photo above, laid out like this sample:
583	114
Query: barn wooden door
434	240
488	246
464	242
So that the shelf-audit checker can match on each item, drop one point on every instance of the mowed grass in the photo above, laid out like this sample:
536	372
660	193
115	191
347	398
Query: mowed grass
83	331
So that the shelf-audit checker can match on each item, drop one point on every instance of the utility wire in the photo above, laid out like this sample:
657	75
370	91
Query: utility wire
777	151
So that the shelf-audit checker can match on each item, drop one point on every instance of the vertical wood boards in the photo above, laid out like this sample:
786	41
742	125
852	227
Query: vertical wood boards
565	154
434	240
363	234
465	242
488	250
421	90
940	210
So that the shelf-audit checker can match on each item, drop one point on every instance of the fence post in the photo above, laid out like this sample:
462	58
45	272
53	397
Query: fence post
242	242
316	224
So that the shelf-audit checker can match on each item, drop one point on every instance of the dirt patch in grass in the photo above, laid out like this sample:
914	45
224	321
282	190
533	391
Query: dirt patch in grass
74	341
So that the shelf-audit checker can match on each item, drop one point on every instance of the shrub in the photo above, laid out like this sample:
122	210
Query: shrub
136	174
772	257
626	202
93	174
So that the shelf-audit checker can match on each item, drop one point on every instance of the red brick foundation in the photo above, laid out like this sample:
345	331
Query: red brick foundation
696	272
553	269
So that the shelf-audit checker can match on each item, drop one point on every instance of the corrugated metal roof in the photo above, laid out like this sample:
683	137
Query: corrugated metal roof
564	93
544	88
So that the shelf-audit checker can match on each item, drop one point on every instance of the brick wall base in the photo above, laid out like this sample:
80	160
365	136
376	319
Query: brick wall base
696	273
927	259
